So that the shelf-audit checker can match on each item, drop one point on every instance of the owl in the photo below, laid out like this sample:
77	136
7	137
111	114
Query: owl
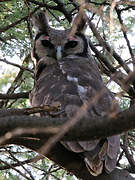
66	74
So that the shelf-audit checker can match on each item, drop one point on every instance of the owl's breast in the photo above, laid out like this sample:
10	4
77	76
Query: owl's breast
70	82
53	86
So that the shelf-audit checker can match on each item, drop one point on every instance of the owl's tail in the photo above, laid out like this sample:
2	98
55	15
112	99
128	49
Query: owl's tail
95	166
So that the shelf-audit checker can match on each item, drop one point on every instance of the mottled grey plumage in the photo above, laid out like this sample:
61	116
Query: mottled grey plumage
65	73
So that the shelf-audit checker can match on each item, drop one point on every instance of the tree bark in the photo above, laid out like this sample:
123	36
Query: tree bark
84	129
13	130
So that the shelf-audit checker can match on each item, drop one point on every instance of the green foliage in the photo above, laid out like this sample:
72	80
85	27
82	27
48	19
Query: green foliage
124	103
6	80
16	39
42	170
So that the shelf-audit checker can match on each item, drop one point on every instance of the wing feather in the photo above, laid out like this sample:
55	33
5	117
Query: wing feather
72	82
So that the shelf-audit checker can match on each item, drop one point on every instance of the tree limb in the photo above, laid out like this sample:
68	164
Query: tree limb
16	65
84	129
108	48
15	95
52	110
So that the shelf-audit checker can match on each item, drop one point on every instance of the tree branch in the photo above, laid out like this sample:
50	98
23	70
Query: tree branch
16	65
84	129
127	153
15	95
60	7
52	110
108	48
17	22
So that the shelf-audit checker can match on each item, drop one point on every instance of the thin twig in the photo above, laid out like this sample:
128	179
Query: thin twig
16	65
10	166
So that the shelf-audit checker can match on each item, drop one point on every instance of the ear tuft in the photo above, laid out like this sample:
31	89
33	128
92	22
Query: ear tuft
40	22
79	24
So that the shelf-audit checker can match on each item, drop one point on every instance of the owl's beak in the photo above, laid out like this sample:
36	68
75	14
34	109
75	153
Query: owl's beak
59	52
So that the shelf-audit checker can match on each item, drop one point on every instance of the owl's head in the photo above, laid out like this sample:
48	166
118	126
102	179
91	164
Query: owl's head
55	43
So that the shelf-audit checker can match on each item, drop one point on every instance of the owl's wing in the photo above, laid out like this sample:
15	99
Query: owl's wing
89	85
73	82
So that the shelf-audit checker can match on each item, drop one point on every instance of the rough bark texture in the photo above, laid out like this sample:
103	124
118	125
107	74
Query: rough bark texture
83	131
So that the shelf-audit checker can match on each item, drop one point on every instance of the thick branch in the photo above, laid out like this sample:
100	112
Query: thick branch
15	95
85	128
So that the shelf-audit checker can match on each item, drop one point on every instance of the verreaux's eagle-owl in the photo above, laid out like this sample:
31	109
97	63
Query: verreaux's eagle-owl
65	73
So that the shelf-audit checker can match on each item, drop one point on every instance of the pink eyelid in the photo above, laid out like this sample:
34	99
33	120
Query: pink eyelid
72	38
46	37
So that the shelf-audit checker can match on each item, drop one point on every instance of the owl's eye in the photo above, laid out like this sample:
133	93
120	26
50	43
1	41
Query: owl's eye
47	43
71	44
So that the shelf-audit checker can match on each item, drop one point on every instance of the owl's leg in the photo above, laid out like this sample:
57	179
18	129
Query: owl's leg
95	166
